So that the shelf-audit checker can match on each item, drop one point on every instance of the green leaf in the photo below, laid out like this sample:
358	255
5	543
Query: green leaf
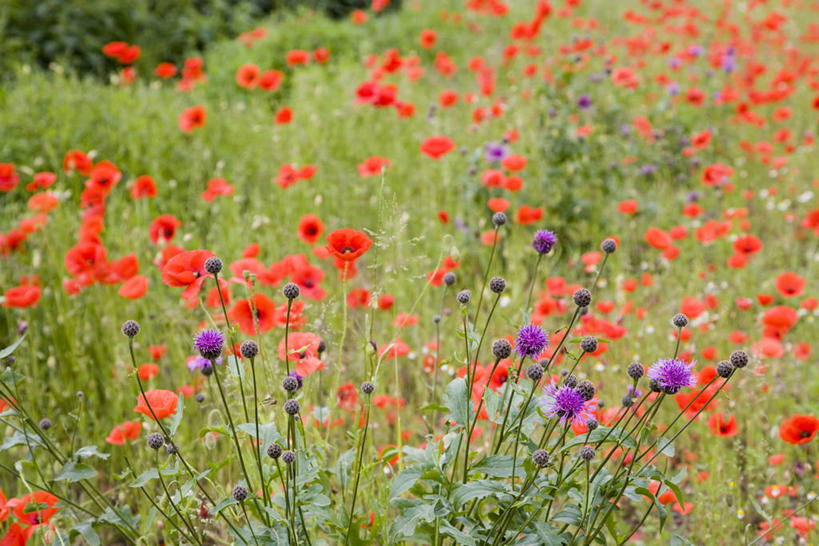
89	451
19	439
451	531
570	514
597	435
11	348
677	540
456	400
75	472
176	418
405	480
144	478
432	407
473	490
10	377
496	466
230	501
405	523
86	530
268	432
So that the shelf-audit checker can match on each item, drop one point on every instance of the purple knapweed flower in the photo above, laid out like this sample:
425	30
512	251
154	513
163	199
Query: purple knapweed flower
494	152
566	403
201	363
672	375
584	102
544	241
531	341
209	343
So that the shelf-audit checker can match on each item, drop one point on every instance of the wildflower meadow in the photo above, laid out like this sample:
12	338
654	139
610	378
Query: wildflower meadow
434	272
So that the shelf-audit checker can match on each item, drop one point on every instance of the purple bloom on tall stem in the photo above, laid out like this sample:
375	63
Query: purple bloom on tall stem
584	102
672	375
494	152
567	403
201	363
209	343
544	241
531	341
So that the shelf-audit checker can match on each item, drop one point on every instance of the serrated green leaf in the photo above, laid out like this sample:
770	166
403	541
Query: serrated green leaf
144	478
230	501
86	530
75	472
405	480
473	490
90	451
496	466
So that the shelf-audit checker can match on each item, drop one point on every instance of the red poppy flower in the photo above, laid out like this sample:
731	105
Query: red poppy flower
437	146
192	118
297	57
22	296
134	288
799	429
716	174
447	98
144	186
165	70
163	228
303	348
628	206
790	284
722	425
263	312
514	162
129	430
28	516
394	349
284	115
427	38
747	244
385	302
271	80
321	55
41	181
347	396
162	402
310	228
528	215
247	76
187	268
78	161
372	166
348	244
658	238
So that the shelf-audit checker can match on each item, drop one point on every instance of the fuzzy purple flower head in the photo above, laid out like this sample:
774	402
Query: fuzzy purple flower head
209	343
531	341
201	363
567	403
672	375
494	152
544	241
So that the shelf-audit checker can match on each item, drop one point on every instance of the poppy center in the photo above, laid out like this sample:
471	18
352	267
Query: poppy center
804	434
347	249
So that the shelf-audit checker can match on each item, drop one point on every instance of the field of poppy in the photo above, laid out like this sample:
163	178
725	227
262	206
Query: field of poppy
464	272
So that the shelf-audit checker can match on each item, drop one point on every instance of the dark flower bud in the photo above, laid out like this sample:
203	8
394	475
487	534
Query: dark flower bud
290	384
291	291
501	348
274	451
587	453
155	440
45	424
592	424
589	344
583	311
627	400
739	359
249	349
635	370
449	278
655	385
570	381
609	246
582	298
199	397
464	296
321	347
207	370
498	219
291	407
497	285
171	449
213	265
586	389
367	387
535	372
725	369
680	320
130	328
239	493
288	457
436	319
540	457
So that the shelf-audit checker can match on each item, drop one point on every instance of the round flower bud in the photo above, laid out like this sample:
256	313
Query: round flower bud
291	407
288	457
535	372
627	400
290	384
322	346
274	451
199	397
635	370
586	389
655	386
291	291
582	298
170	449
498	219
249	349
501	348
680	320
239	493
367	387
464	296
589	344
213	265
497	285
570	381
130	328
540	457
739	359
207	370
592	424
45	424
436	319
587	453
725	369
609	246
155	440
449	278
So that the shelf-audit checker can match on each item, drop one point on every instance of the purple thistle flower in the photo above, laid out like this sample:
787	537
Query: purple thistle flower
566	403
544	241
201	363
584	102
672	375
495	152
209	343
531	341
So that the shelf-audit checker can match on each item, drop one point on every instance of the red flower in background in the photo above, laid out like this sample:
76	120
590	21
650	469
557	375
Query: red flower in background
187	269
437	146
790	284
263	311
129	430
722	425
163	228
162	402
348	244
192	118
310	228
22	296
799	429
